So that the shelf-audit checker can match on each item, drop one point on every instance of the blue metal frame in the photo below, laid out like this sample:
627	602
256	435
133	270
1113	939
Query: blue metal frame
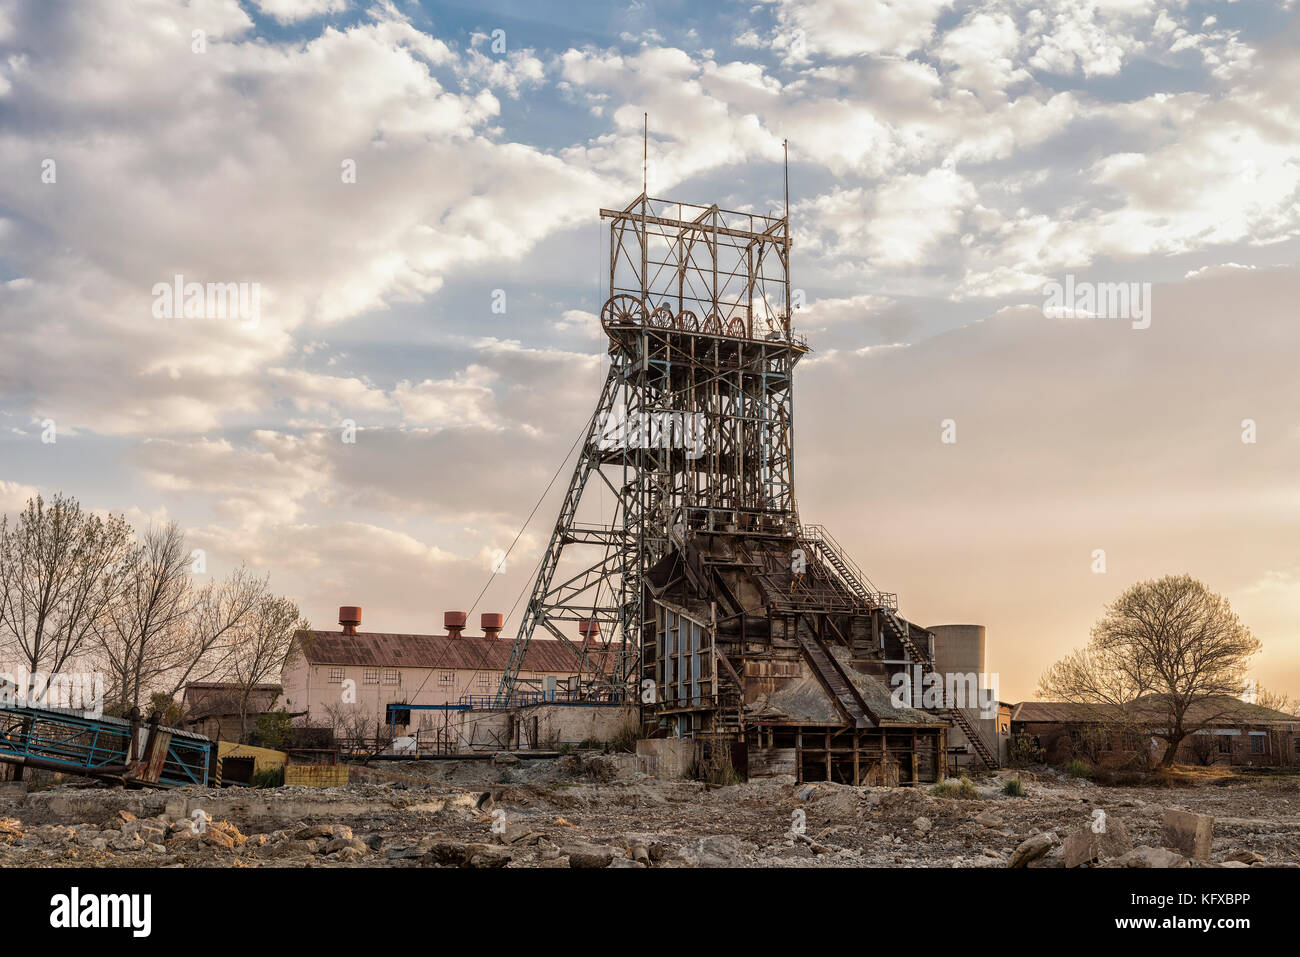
51	737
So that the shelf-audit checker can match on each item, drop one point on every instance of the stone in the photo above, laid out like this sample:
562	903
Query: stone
401	852
151	832
1085	846
988	819
125	816
315	830
923	825
486	856
228	829
721	850
1247	857
343	843
520	835
1031	849
1190	834
505	759
588	855
217	838
1145	856
1053	858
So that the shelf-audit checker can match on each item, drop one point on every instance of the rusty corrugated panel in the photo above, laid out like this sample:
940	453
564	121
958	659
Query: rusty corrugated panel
467	652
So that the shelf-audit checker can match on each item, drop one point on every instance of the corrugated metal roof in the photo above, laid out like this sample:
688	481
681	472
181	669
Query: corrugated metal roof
1150	708
467	652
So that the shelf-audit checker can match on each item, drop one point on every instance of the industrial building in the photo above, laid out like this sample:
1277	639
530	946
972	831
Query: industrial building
363	684
733	623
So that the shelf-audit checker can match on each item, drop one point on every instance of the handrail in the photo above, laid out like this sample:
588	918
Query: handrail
820	536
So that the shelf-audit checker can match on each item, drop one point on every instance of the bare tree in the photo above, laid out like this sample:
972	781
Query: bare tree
261	648
1276	701
60	567
1165	650
161	631
1106	686
138	630
212	632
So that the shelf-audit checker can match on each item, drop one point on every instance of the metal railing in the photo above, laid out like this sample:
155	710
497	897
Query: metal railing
839	560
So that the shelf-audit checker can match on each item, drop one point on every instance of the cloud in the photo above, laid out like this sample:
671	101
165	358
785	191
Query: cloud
291	11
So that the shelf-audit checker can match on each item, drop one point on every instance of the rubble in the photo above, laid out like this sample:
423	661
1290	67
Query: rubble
1031	849
1089	844
1146	856
552	819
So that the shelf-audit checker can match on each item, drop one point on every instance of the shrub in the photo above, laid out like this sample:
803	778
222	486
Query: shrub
626	738
1014	788
1078	768
963	788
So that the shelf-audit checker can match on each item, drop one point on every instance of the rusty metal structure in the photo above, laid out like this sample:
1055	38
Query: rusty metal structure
703	593
117	750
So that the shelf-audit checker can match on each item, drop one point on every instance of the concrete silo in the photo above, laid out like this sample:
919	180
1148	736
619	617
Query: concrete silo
959	651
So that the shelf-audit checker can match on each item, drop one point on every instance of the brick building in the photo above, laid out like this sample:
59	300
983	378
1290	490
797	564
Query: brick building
1229	731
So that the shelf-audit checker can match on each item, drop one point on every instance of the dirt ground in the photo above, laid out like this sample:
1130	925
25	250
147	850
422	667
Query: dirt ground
591	810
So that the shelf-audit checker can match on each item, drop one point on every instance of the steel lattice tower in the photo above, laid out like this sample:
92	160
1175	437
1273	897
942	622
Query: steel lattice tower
694	427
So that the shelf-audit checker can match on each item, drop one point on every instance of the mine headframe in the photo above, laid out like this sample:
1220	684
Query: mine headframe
693	430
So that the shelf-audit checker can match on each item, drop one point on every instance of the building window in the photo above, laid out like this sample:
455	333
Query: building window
372	676
336	676
1225	744
1258	744
392	676
446	679
484	683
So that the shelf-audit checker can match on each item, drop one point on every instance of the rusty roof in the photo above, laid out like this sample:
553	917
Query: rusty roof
463	653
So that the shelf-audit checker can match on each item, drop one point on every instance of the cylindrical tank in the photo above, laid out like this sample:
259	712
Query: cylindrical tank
958	648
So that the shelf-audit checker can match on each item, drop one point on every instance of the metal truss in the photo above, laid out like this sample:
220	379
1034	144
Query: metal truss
693	428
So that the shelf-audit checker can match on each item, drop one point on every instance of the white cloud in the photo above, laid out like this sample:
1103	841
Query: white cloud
291	11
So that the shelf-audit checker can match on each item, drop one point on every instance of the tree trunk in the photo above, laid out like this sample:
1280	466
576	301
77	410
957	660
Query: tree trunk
1171	749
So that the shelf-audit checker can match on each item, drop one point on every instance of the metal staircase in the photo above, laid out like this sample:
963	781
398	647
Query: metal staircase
902	630
829	550
825	547
832	676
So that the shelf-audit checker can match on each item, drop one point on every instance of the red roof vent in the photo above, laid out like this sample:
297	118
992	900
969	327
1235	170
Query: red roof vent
492	622
589	630
454	622
349	618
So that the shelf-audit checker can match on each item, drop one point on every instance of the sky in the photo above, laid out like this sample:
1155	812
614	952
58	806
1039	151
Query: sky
411	192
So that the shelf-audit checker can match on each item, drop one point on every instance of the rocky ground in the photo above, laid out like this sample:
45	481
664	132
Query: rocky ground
589	810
